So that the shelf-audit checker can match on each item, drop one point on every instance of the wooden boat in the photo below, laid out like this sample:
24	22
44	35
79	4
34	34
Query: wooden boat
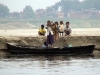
19	49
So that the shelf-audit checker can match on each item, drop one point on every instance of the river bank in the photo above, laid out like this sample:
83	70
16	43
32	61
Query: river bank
30	37
38	41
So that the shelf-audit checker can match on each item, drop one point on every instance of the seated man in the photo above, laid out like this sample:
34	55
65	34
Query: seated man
44	45
67	29
42	31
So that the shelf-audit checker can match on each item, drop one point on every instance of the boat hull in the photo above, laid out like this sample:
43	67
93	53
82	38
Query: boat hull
14	49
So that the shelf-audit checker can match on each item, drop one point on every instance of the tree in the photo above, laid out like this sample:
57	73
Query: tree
28	12
52	14
56	6
4	11
70	5
87	4
49	9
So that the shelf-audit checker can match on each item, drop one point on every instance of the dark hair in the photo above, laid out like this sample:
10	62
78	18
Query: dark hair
56	22
61	22
67	22
42	25
48	21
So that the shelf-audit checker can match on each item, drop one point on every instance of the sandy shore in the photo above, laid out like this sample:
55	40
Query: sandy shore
34	32
38	41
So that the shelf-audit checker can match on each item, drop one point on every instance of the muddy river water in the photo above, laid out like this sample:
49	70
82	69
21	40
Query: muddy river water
50	65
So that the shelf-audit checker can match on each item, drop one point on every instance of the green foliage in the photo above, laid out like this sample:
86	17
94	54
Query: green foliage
87	4
49	9
4	11
74	23
77	5
28	12
52	14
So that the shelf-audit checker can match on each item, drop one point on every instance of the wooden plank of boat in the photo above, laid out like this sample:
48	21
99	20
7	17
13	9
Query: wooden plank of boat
19	49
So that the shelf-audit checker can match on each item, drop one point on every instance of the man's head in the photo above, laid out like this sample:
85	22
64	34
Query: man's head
67	24
48	23
61	22
42	26
56	23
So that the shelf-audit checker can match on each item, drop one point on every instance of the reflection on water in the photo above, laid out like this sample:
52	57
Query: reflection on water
50	65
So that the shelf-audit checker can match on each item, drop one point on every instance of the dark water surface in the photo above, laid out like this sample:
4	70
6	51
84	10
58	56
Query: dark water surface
50	65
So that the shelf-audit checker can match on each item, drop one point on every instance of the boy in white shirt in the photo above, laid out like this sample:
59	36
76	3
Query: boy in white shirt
61	28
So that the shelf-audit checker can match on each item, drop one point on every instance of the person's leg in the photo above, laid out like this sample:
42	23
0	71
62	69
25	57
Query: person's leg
59	34
56	36
48	41
51	39
62	33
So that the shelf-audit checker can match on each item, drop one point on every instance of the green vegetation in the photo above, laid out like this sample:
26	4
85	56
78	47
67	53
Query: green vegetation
50	13
75	23
65	6
4	10
28	12
75	5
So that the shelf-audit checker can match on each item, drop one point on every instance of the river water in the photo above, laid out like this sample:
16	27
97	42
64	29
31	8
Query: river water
50	65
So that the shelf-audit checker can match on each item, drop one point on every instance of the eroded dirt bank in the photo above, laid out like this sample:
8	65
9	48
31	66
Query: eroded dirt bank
62	41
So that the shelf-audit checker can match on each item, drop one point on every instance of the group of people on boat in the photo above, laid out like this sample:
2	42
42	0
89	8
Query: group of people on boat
54	31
